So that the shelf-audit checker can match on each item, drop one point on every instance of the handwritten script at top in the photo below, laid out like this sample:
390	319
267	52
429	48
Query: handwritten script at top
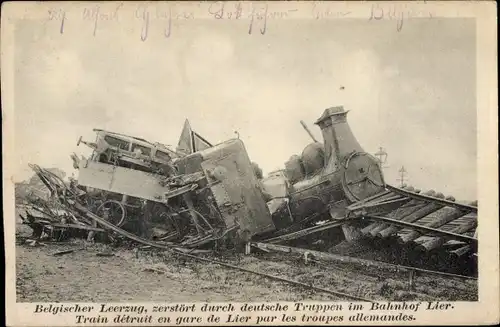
256	14
397	12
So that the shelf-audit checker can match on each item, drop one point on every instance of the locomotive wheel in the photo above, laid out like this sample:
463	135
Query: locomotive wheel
115	211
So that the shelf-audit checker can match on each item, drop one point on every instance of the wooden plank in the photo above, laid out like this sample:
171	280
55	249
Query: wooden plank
423	228
121	180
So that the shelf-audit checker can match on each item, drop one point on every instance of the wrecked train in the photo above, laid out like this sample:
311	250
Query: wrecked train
205	190
214	195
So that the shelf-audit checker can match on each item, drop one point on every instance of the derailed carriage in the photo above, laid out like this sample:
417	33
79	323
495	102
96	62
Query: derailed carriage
199	194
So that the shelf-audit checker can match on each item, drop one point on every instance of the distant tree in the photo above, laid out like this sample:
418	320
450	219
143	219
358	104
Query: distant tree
21	192
34	186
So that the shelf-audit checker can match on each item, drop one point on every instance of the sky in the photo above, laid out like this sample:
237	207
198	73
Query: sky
411	91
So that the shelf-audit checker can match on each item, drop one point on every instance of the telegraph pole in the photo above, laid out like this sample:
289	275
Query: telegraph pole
402	175
382	157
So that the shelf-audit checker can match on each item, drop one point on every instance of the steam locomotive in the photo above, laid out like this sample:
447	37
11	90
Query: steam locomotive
321	182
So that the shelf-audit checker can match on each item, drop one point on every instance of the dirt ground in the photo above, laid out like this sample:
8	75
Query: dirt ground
131	275
126	276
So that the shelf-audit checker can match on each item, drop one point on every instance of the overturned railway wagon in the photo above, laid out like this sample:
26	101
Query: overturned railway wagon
210	195
215	192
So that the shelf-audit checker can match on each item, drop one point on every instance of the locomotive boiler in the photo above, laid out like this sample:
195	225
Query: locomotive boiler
321	182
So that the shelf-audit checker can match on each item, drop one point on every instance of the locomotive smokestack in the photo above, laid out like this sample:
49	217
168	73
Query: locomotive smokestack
337	135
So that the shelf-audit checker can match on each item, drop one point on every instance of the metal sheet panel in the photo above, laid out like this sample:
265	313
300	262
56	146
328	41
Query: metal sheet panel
238	195
121	180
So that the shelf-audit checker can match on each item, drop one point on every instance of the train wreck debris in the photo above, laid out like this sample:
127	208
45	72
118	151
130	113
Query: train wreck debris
213	196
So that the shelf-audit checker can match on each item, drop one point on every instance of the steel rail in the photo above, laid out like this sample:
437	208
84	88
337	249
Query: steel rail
370	199
305	232
444	202
290	281
325	256
388	201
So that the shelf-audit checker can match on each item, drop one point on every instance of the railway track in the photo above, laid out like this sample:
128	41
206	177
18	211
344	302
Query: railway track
407	227
338	277
428	228
350	279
